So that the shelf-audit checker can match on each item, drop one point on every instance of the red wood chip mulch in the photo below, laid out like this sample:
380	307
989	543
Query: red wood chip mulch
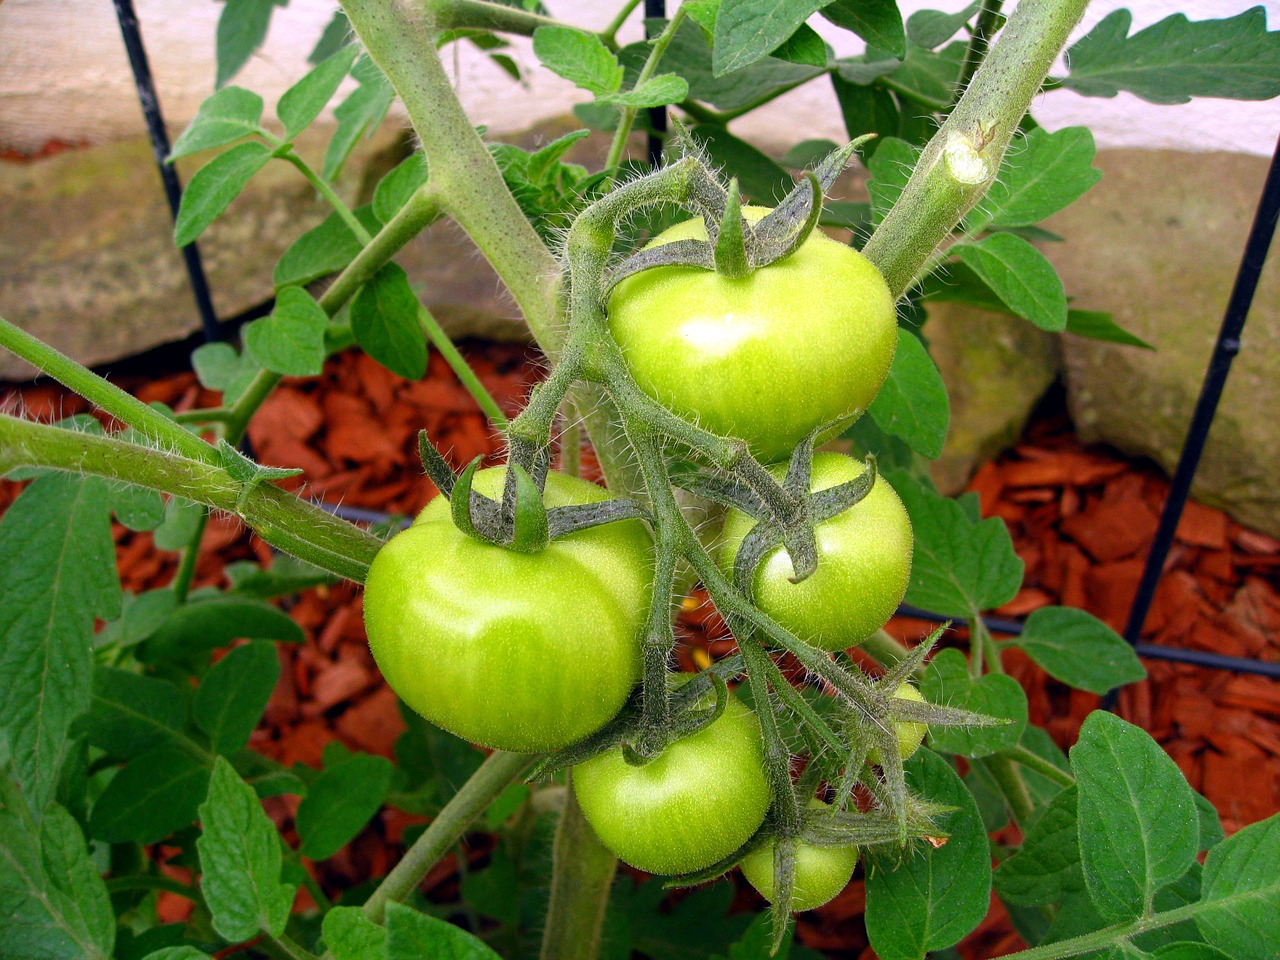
1081	518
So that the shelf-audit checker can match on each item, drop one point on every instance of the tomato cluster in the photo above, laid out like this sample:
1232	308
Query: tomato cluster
531	652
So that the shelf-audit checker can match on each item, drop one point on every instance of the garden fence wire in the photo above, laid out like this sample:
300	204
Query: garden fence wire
1226	347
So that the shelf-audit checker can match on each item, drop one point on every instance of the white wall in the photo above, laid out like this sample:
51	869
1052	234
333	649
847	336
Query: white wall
64	76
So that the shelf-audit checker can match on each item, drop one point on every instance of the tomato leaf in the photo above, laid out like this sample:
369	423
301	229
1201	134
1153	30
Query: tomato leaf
579	57
759	176
384	318
749	30
57	573
1046	867
214	186
1100	326
913	402
933	28
1177	59
1241	892
412	935
358	114
234	693
131	714
805	47
1138	822
206	623
340	802
350	935
655	92
890	167
240	858
993	694
291	339
935	897
152	796
960	564
242	27
322	250
1020	276
230	114
1079	649
52	896
395	189
876	21
1042	174
302	103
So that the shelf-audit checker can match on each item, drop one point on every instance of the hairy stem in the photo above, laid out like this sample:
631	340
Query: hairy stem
582	876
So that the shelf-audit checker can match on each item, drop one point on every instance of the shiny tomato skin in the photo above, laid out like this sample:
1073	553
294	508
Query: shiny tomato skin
821	872
767	358
910	734
693	805
520	652
864	563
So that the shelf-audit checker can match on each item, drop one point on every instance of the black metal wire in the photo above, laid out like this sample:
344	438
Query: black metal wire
654	10
150	103
1224	351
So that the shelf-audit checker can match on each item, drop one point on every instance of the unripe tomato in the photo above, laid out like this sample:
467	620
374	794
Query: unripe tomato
696	803
910	734
767	358
821	872
521	652
864	563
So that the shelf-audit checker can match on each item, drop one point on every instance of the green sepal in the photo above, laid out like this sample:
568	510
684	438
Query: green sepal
789	225
726	490
436	467
246	472
529	533
835	500
678	253
562	521
838	828
719	868
731	237
460	502
760	540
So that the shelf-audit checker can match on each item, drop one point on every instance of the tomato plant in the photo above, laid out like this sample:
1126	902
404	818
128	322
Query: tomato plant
751	356
491	644
693	805
909	733
820	872
864	563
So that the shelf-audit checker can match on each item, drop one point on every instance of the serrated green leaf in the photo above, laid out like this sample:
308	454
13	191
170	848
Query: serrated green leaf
1177	59
748	30
936	895
1138	824
959	566
1097	325
267	777
207	623
913	402
933	28
1188	951
805	47
395	189
54	903
1079	649
141	615
302	102
579	57
1020	276
384	319
655	92
57	573
890	167
701	918
927	77
1240	892
234	693
359	114
412	935
876	21
1210	823
215	364
350	935
340	802
291	339
1047	866
225	117
152	796
1042	174
994	694
322	250
242	27
213	188
131	714
240	858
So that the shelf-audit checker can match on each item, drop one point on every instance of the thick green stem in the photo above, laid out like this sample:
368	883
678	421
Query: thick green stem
610	33
280	518
979	41
402	41
1033	761
1109	936
499	770
581	878
961	161
1013	787
325	189
477	14
461	369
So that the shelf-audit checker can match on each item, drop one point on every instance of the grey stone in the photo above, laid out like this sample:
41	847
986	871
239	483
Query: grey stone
1157	243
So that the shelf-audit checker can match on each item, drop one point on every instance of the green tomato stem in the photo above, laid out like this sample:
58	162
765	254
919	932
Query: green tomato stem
628	118
325	189
610	33
1033	761
461	369
581	879
1109	936
1011	784
181	584
494	775
979	42
480	15
961	161
777	755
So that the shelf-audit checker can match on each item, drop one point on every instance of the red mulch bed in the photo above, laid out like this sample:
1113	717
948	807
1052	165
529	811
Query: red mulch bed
1081	518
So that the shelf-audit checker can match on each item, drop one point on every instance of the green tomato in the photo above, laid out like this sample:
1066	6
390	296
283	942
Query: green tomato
693	805
767	358
864	563
910	734
821	872
521	652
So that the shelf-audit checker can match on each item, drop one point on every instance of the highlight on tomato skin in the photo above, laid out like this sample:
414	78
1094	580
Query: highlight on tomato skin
767	358
514	651
691	806
864	563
